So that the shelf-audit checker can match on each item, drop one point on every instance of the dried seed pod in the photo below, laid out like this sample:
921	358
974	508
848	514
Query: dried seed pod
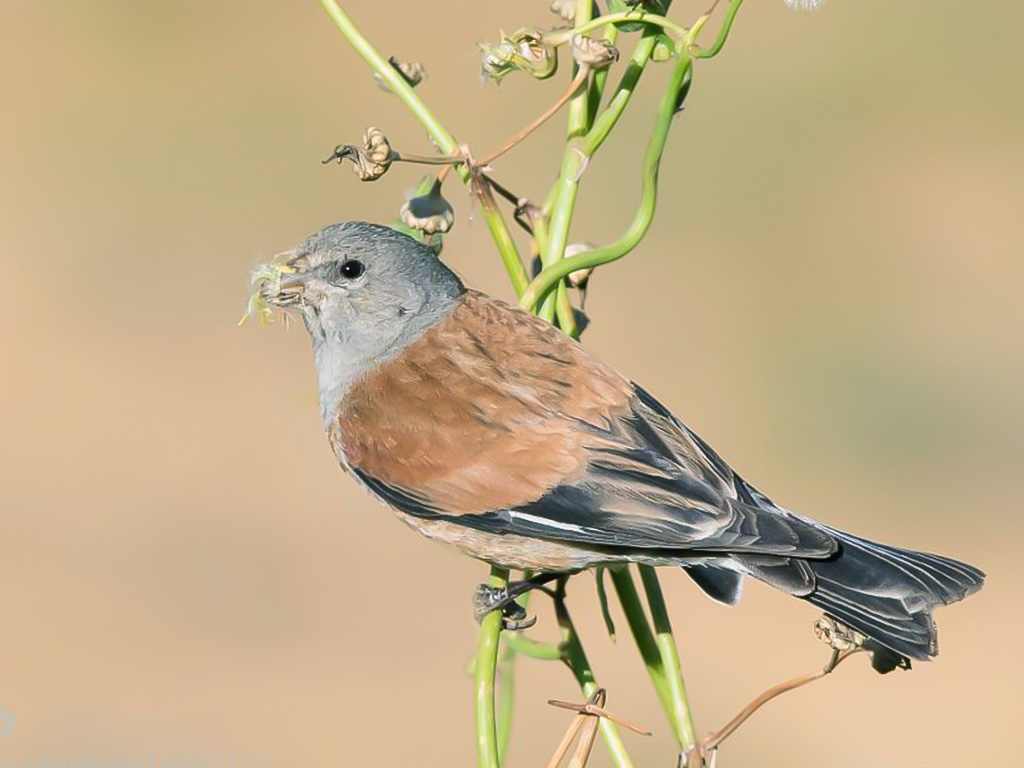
593	51
413	73
377	152
837	636
370	161
498	60
524	50
537	58
565	9
429	213
580	277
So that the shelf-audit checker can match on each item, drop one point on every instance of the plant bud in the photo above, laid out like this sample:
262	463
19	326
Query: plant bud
580	277
498	60
524	50
429	213
534	55
593	51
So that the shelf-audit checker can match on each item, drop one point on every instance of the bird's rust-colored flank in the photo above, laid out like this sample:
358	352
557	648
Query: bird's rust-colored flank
444	418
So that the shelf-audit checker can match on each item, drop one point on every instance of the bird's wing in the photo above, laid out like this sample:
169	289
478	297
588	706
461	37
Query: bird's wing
495	420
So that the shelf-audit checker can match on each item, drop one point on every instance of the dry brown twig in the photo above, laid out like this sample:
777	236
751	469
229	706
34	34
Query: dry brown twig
697	756
588	718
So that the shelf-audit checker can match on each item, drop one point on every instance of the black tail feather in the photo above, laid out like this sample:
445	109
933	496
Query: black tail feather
889	593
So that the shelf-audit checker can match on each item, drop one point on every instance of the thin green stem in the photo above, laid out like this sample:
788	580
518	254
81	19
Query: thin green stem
579	110
576	660
507	700
623	17
607	120
723	33
552	247
551	275
534	649
561	201
485	669
600	79
444	140
546	309
640	628
680	715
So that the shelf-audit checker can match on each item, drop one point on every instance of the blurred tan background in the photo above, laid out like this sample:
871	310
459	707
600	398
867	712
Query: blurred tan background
831	295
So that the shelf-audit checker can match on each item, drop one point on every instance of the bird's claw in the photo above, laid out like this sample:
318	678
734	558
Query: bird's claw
513	615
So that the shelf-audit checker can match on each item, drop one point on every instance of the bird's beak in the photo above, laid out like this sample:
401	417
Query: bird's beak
282	281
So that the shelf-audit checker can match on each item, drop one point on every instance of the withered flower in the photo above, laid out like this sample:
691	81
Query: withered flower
593	51
524	50
566	9
836	635
370	161
412	72
580	277
498	60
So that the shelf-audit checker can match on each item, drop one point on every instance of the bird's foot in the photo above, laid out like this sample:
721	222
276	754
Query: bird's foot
488	598
513	615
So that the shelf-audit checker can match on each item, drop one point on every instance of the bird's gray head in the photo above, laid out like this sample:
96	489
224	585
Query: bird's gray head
365	292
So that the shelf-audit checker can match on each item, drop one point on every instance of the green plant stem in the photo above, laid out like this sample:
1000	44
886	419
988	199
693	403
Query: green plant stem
579	106
600	79
607	120
534	649
546	309
681	715
552	246
507	700
561	201
640	628
579	665
445	141
484	674
723	33
551	275
623	17
657	648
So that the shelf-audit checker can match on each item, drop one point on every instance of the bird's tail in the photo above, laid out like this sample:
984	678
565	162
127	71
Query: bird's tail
889	593
883	592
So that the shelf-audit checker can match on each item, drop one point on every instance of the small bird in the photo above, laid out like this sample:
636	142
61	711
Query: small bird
487	428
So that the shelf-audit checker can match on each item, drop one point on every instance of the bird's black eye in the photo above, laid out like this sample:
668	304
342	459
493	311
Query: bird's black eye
351	269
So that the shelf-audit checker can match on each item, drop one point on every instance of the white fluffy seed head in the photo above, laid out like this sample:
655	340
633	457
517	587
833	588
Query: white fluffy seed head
805	5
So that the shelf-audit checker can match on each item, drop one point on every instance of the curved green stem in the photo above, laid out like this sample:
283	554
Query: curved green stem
551	275
485	669
507	700
534	649
622	17
546	309
561	201
723	33
444	140
680	714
